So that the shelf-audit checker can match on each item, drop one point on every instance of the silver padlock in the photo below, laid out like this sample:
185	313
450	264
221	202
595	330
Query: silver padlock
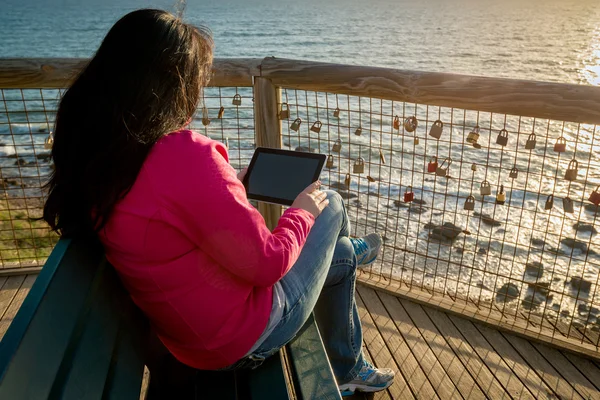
514	173
359	166
237	100
284	111
316	127
358	131
296	124
549	202
337	146
568	206
442	169
571	173
502	138
470	203
485	189
531	142
436	129
336	112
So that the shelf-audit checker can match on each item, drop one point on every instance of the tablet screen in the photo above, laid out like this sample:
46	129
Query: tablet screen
280	177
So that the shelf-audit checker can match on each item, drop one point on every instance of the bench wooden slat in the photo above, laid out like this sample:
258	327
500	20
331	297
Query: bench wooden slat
269	383
313	377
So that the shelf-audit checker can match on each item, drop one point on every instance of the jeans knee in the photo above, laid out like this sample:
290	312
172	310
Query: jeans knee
335	200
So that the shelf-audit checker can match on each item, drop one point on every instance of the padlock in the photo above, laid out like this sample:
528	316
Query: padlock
227	143
396	122
316	127
296	124
347	181
358	131
329	162
561	145
49	141
284	111
549	202
381	156
436	129
595	196
568	205
514	173
473	167
237	100
501	196
336	112
470	203
433	164
337	146
571	173
410	124
416	141
531	142
442	169
205	119
409	195
473	136
502	138
485	189
359	166
221	112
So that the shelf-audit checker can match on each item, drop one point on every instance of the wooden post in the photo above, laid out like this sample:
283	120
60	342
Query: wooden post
268	133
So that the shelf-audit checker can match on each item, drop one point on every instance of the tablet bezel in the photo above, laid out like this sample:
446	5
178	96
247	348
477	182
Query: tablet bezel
276	200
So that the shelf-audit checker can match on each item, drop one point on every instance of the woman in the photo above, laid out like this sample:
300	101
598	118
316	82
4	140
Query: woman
220	289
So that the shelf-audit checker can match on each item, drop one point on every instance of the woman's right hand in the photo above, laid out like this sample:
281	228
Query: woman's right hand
312	199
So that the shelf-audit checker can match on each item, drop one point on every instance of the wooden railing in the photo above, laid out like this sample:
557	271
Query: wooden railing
412	265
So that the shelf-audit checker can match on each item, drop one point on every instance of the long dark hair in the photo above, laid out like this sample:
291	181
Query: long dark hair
145	81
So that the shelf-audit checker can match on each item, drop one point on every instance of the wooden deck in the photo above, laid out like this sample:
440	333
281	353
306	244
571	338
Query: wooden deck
436	355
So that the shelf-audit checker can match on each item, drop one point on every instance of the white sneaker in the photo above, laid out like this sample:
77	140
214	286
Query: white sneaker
366	248
369	379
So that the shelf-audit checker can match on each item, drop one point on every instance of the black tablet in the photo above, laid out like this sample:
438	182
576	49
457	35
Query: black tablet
278	176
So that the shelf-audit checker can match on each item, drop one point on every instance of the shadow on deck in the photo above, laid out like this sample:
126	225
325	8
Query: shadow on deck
436	355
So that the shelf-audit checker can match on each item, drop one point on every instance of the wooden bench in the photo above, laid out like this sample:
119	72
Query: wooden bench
78	335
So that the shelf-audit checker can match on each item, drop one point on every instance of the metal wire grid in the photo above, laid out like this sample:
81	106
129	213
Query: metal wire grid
26	120
518	258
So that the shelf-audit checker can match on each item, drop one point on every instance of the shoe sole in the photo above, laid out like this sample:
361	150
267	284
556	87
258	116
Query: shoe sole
349	389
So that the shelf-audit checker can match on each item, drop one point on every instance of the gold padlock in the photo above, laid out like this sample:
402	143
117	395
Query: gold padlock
205	119
221	112
359	166
485	189
358	131
337	146
284	111
473	136
436	129
296	124
469	203
416	140
329	162
316	127
410	124
336	112
474	167
549	202
568	205
531	142
442	169
347	181
501	196
571	173
237	100
514	172
49	141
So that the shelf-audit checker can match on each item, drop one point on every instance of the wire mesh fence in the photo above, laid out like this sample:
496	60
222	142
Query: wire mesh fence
484	208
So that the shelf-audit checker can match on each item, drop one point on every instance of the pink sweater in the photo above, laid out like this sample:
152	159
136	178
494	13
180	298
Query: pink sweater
195	256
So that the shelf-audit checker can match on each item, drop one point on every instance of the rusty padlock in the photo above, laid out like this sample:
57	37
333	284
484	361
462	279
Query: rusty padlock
205	119
571	173
568	206
284	111
514	172
358	131
436	129
470	203
336	112
49	141
221	112
502	138
329	162
433	164
347	181
561	145
409	195
296	124
359	166
473	136
316	127
237	100
531	142
396	122
442	169
410	124
485	189
501	196
337	146
549	202
595	196
381	156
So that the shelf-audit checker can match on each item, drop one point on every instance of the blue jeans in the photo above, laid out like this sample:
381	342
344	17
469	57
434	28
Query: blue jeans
323	279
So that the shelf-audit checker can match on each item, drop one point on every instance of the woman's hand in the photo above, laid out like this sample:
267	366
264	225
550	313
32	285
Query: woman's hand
242	174
312	199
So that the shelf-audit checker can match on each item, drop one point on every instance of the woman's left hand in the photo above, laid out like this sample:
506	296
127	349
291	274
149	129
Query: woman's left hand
242	174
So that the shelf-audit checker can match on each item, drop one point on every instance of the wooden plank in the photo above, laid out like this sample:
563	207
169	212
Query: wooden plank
269	382
438	376
586	367
408	366
9	291
559	101
20	271
16	303
570	374
455	354
58	73
313	377
268	134
491	359
546	371
381	355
